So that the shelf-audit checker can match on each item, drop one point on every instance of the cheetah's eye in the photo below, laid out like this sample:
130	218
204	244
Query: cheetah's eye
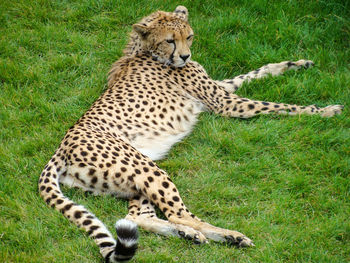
189	37
170	41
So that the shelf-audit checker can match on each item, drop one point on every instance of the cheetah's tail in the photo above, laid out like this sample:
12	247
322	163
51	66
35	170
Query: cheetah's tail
126	242
113	251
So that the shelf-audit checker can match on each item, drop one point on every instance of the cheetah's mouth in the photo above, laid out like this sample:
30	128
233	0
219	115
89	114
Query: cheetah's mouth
181	65
174	64
168	62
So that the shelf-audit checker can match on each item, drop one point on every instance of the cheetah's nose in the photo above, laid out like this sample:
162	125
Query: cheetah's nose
184	57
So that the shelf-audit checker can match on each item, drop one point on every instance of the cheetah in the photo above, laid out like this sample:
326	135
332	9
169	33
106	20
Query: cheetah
154	96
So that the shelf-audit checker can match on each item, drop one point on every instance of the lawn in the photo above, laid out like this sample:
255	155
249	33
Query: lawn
283	181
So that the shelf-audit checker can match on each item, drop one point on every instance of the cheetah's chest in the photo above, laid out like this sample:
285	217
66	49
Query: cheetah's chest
156	143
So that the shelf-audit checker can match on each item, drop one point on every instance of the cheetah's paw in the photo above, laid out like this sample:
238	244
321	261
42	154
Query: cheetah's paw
239	241
331	110
304	63
191	234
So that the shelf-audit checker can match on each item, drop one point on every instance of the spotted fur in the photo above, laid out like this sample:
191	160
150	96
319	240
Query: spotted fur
155	94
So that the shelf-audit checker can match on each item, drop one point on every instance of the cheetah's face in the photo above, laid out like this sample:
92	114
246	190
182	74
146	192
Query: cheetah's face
173	48
168	37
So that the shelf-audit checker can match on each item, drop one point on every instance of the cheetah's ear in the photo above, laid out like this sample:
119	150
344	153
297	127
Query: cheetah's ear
142	29
181	12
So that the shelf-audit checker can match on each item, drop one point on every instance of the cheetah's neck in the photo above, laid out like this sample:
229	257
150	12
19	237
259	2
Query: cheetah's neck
133	48
134	45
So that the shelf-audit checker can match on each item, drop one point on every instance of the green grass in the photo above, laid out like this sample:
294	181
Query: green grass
283	181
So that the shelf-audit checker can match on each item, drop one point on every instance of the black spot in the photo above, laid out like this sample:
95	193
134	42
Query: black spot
176	198
165	184
48	200
106	244
87	222
99	146
161	192
170	125
150	179
251	106
77	214
67	207
94	180
92	229
101	235
156	173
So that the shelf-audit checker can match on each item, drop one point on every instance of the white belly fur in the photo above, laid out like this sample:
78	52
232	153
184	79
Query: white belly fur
156	148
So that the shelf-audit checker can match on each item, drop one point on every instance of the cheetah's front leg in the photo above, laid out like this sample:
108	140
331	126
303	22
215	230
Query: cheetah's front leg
275	69
235	106
231	105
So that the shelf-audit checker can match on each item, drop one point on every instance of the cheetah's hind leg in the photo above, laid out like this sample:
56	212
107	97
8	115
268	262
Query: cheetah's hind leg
142	212
162	191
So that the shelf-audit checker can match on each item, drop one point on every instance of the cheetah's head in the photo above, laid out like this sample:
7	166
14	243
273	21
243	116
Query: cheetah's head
167	37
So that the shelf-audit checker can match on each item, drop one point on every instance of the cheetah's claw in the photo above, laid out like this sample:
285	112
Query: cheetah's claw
241	241
332	110
304	63
191	234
